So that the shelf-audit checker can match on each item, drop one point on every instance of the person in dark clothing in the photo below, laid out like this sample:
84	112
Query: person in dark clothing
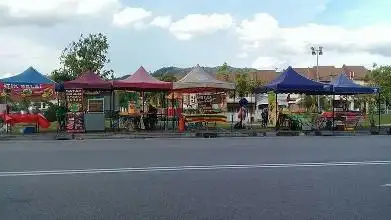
61	113
151	119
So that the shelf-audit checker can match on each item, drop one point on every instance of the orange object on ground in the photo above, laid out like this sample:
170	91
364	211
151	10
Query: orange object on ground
181	124
16	118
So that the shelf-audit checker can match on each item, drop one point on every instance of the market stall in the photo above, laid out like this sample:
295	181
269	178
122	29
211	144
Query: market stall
343	119
210	94
291	82
88	99
30	85
134	116
16	118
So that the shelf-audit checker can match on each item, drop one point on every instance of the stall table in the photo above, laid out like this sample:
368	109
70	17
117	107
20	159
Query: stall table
129	121
17	118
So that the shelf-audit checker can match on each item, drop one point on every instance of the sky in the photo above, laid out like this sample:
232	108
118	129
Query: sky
262	34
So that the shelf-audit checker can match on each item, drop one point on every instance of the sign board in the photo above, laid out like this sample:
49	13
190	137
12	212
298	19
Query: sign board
205	102
75	122
20	91
74	99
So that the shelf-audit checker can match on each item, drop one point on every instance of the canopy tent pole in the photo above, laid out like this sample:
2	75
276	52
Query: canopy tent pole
232	115
256	106
166	106
173	111
379	112
251	111
333	110
180	116
276	109
111	109
142	99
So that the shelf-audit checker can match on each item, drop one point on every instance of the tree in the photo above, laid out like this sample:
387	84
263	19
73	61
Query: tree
168	78
252	84
223	72
245	85
381	76
88	53
242	85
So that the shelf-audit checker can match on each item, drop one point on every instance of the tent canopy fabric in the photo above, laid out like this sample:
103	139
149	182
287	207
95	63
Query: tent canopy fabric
292	82
142	80
28	77
197	80
342	85
88	80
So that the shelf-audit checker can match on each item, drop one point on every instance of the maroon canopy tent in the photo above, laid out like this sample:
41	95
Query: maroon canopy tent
88	80
142	80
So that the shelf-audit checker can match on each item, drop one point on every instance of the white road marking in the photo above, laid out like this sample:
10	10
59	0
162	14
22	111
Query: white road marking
387	185
188	168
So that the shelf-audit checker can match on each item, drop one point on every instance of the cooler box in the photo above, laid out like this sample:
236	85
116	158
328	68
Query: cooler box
28	130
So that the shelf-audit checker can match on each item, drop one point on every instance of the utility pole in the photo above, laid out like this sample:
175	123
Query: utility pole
317	51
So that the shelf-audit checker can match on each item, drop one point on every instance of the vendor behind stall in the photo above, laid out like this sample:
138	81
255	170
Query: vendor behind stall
151	119
61	116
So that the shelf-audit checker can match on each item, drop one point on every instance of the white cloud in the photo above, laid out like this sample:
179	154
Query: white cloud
199	24
242	55
262	36
15	58
162	21
267	63
131	17
49	12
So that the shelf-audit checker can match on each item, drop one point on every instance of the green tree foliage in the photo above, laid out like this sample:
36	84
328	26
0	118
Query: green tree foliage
88	53
309	102
381	76
223	71
50	113
325	102
168	78
242	85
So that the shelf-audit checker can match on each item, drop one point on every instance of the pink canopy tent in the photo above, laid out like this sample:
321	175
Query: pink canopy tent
88	80
142	80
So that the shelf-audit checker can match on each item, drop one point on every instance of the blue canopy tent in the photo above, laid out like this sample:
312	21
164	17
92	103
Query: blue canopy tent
342	85
28	77
292	82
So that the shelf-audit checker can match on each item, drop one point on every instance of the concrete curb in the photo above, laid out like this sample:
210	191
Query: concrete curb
204	134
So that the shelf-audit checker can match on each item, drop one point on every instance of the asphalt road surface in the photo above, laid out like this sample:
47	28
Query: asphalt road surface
232	178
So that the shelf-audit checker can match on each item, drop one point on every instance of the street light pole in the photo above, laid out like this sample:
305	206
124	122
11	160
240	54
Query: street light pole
318	52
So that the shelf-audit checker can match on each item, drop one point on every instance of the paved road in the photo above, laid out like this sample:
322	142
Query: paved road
237	178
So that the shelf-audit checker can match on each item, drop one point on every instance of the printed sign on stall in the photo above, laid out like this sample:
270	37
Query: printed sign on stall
74	99
21	91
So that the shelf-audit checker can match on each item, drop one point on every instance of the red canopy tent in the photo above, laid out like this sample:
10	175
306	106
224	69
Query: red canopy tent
142	80
88	80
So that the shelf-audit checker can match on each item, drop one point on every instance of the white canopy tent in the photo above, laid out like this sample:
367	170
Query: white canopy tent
197	80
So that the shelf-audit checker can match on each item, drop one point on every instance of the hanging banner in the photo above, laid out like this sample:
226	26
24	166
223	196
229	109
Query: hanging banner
44	91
